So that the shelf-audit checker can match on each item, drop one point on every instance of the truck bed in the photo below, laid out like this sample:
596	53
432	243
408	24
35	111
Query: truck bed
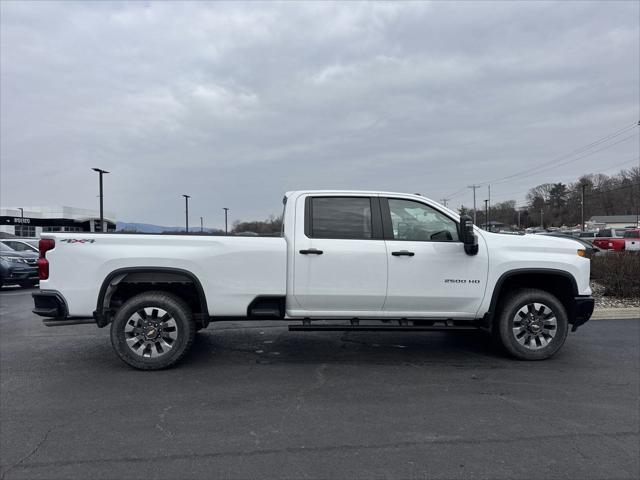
232	270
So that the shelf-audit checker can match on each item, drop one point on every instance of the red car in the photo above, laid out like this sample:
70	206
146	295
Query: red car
614	238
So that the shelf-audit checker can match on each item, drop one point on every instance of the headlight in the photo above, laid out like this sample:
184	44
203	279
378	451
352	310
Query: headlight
15	259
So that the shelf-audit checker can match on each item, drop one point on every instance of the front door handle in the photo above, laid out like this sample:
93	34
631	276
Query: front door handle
403	253
311	251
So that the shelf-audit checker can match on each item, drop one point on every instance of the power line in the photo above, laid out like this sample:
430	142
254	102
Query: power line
584	148
561	164
551	164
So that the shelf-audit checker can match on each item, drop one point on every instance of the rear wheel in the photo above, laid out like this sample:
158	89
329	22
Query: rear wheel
532	324
152	330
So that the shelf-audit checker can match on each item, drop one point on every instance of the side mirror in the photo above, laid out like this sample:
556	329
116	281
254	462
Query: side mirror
469	239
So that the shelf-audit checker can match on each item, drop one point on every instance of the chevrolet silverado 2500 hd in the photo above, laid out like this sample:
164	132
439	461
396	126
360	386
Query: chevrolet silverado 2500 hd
346	260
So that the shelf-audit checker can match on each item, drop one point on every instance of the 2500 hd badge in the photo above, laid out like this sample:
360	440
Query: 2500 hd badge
460	280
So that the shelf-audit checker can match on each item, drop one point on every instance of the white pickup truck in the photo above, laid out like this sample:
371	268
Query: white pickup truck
346	260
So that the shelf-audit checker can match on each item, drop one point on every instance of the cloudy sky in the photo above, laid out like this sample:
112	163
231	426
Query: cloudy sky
235	103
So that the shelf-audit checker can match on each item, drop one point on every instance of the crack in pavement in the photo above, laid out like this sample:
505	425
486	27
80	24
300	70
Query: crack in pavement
328	448
28	455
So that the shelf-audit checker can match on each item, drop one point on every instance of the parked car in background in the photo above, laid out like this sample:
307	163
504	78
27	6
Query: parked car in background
630	240
589	236
605	236
590	249
617	244
20	245
18	268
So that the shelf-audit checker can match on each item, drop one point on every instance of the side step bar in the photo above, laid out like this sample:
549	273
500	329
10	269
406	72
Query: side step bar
74	321
377	328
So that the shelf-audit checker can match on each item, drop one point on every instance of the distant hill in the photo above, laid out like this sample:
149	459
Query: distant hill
149	228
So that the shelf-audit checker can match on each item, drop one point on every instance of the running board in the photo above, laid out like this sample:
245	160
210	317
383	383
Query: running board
377	328
62	323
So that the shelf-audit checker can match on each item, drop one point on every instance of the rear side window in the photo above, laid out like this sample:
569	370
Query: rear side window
631	234
340	217
605	232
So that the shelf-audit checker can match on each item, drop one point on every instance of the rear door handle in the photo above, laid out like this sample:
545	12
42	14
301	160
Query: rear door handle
311	251
403	253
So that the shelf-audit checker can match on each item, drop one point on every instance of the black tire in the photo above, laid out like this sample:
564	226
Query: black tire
128	317
534	336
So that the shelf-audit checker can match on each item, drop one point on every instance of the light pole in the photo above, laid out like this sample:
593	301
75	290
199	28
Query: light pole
226	210
201	225
474	202
101	172
21	221
486	215
186	212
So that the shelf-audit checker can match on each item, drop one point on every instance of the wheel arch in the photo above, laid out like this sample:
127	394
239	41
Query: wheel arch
559	283
165	277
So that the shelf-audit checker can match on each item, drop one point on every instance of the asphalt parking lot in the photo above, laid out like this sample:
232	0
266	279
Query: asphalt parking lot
256	401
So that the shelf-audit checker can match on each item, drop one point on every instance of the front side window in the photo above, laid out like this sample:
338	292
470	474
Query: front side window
419	222
341	217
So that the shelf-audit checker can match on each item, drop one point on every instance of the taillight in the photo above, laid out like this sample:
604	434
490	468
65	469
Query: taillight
44	246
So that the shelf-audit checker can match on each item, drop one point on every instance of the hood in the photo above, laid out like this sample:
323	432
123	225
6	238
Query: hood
533	242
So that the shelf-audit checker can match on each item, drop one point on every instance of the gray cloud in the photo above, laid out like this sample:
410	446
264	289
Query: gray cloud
235	103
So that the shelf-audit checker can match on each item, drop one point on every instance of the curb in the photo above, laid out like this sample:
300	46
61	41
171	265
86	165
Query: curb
628	313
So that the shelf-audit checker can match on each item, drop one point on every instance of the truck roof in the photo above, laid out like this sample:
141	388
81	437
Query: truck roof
353	192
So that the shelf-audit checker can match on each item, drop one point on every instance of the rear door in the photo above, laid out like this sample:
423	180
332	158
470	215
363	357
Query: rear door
340	257
429	273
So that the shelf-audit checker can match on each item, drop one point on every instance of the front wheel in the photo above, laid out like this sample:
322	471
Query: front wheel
152	330
532	324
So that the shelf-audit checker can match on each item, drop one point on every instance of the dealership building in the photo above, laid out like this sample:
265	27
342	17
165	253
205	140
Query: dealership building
32	221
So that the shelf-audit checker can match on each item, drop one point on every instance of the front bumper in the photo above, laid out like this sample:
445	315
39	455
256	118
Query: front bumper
20	274
581	311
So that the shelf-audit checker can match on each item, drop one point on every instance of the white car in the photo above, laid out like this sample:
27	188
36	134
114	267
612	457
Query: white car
356	260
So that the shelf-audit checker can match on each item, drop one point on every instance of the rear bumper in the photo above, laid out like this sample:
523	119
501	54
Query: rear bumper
52	305
49	303
581	311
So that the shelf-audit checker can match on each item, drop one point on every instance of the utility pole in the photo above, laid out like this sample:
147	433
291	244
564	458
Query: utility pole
474	202
518	219
186	212
444	201
486	214
542	218
201	225
582	209
226	210
101	172
489	202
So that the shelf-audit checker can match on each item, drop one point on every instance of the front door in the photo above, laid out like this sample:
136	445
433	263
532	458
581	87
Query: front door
429	273
340	257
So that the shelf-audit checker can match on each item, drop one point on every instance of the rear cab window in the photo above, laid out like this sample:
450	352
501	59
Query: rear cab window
339	218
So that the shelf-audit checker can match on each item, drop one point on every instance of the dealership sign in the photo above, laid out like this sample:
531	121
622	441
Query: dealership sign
38	222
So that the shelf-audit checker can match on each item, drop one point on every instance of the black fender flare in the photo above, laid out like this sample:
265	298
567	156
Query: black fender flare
497	289
99	314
